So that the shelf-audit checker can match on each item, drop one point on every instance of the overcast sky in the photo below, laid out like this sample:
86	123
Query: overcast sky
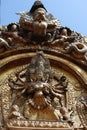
71	13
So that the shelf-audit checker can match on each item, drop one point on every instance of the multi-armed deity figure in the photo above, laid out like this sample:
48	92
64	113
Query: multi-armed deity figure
42	90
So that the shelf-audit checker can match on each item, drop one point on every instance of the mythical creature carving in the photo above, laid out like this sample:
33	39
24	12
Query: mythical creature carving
40	28
77	50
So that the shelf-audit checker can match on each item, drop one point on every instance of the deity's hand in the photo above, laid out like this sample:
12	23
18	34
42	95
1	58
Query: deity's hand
29	87
46	88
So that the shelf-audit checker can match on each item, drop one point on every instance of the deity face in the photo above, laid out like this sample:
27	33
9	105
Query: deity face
15	107
40	14
32	77
32	74
64	32
14	27
39	75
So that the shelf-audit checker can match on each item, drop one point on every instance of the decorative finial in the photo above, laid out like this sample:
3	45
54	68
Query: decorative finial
37	4
37	0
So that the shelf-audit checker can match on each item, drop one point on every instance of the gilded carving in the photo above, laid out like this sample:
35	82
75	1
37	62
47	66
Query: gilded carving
5	100
82	108
44	95
43	73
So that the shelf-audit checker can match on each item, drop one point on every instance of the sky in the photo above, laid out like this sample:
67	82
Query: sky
71	13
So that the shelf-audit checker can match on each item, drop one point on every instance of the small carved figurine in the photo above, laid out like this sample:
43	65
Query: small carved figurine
63	39
4	44
15	114
12	35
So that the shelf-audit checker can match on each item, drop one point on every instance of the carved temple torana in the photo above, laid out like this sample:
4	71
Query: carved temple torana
43	74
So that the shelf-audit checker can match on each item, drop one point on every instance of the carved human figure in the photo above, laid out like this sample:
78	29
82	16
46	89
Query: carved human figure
62	113
60	90
66	115
40	22
15	114
12	35
4	44
63	39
